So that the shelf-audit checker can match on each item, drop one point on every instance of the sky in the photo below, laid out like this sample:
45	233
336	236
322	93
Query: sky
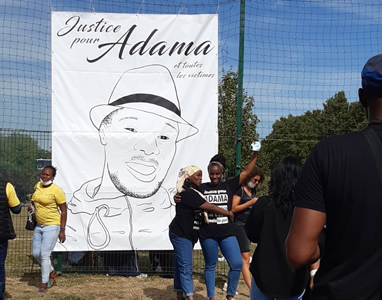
297	53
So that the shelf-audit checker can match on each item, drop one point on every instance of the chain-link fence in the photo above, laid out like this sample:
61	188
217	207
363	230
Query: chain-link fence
297	55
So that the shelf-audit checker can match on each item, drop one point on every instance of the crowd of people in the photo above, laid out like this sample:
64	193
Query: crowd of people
320	220
318	232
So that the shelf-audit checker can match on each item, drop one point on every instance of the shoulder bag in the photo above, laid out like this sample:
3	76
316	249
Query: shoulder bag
31	219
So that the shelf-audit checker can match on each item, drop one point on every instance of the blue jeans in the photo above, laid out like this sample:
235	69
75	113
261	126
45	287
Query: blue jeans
44	240
231	251
182	264
256	294
3	256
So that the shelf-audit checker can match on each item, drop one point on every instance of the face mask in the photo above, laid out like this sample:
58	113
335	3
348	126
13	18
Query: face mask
46	183
250	184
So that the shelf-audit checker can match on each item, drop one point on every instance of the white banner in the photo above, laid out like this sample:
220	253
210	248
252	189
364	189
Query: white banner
134	99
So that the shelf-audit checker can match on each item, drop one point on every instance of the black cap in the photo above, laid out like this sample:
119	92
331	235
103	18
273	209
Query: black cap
372	76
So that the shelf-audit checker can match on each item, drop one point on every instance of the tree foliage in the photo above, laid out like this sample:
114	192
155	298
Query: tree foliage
297	135
227	121
18	162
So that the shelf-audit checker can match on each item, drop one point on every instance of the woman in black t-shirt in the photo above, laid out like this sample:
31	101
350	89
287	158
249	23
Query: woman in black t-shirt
242	203
218	232
185	226
268	225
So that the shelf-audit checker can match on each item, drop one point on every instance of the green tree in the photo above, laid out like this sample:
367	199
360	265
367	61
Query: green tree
228	85
18	154
297	135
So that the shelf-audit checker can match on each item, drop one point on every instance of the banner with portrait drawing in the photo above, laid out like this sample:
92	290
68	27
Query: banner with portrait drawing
134	99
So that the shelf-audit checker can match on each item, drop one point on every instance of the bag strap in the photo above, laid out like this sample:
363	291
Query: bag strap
198	192
376	147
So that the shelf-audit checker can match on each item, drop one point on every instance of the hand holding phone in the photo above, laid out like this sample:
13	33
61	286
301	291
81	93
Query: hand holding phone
255	146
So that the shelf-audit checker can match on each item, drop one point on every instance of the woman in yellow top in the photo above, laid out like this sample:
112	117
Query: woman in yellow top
47	199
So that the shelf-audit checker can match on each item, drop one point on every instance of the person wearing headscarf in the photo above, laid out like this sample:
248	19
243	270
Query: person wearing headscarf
184	228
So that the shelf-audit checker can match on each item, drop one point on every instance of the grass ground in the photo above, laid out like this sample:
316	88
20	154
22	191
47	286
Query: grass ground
84	286
74	286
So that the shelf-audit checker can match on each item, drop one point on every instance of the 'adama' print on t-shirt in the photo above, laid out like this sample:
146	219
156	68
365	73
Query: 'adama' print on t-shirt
219	198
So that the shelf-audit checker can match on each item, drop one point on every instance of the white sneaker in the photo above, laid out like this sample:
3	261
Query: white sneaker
221	259
225	286
142	275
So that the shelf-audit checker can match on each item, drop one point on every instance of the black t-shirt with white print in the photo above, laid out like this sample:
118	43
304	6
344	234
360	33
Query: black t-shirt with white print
219	227
186	223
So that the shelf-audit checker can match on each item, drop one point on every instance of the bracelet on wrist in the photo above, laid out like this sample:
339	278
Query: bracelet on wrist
62	229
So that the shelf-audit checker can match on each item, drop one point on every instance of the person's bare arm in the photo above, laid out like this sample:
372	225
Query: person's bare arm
177	198
63	209
215	209
313	269
236	207
302	242
248	169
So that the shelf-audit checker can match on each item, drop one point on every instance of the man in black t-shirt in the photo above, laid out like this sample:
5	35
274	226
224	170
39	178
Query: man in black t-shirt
340	187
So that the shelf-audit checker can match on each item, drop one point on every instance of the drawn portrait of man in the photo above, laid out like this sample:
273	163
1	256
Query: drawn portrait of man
139	129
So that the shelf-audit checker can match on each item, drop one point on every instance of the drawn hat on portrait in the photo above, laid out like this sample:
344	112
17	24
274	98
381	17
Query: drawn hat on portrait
150	89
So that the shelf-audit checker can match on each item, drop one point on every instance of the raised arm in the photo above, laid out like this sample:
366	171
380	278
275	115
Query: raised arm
302	242
249	167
